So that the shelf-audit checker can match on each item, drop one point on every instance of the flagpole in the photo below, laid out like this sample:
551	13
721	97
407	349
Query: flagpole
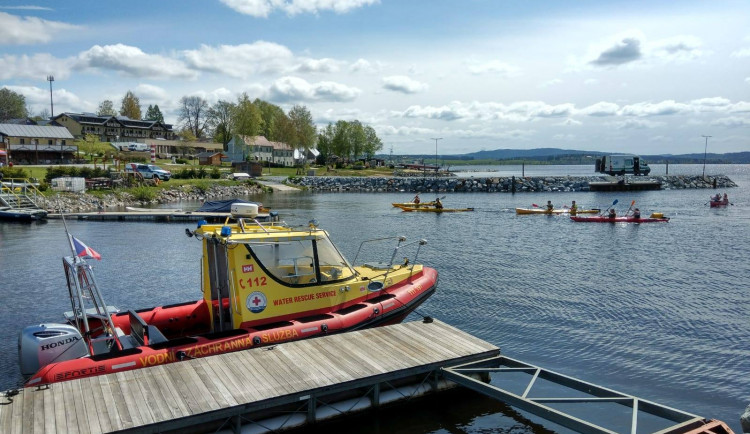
65	225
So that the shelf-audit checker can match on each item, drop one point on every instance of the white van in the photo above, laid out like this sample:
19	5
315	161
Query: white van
621	165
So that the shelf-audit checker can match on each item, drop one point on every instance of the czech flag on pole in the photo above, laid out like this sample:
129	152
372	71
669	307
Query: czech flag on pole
83	250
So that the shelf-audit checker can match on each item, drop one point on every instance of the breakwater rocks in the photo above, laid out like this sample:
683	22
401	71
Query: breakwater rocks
496	184
83	202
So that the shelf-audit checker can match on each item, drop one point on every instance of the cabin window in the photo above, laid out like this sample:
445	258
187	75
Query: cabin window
302	262
629	162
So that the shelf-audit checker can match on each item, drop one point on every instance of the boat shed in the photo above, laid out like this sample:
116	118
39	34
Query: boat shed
210	158
37	144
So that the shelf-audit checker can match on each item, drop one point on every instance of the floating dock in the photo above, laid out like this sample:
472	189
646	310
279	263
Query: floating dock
295	383
154	215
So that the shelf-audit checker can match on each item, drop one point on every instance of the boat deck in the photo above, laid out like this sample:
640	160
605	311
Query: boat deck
154	215
222	390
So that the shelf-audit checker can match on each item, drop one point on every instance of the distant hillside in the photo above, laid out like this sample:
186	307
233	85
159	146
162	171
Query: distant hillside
570	156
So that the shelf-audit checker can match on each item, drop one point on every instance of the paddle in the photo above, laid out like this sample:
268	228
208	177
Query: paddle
631	206
613	204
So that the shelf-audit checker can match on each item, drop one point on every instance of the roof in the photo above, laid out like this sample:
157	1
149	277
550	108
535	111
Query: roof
208	154
35	131
257	140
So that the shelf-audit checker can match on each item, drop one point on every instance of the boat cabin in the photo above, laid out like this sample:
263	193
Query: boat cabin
625	164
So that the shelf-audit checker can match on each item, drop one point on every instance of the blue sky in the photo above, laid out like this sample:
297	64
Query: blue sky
615	76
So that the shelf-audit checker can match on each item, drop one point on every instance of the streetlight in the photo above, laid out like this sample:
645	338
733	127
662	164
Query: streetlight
436	154
704	155
51	106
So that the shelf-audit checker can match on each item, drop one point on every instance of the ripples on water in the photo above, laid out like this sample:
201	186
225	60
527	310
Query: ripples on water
656	310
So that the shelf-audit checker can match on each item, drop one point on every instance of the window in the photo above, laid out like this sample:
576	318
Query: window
49	142
299	262
22	141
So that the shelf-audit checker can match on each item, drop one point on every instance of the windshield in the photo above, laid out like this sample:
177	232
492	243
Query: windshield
302	262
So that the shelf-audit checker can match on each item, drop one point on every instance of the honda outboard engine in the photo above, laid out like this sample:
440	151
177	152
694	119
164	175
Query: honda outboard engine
40	345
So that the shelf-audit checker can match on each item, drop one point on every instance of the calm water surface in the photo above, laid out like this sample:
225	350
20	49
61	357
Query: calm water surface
659	311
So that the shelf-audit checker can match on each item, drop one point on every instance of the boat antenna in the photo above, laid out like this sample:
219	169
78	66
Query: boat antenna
65	225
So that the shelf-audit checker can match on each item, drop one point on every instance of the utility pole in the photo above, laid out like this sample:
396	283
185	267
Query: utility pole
436	153
51	78
704	155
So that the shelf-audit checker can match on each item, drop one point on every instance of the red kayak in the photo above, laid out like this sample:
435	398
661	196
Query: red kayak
626	219
719	203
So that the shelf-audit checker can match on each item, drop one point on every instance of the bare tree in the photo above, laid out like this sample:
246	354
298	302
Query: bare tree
193	115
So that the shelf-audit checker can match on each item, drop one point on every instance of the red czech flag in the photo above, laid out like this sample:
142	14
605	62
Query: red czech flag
83	250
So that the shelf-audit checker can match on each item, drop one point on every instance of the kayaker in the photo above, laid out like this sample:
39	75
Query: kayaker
612	213
416	199
550	207
726	198
717	198
573	208
438	204
636	213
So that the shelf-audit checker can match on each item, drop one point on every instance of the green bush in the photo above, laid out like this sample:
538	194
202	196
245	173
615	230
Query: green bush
215	174
13	172
202	173
143	193
181	161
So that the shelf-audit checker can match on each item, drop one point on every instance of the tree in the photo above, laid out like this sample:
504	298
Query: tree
193	115
373	144
340	142
246	117
106	108
356	135
220	121
304	128
131	106
154	114
271	115
325	142
12	105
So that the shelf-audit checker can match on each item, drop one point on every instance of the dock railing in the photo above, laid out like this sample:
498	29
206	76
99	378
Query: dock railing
19	193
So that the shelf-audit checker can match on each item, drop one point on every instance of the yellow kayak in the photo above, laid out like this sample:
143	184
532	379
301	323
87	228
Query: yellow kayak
524	211
413	205
433	209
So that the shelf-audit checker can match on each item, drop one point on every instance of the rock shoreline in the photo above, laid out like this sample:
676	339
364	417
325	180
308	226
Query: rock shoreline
83	202
497	184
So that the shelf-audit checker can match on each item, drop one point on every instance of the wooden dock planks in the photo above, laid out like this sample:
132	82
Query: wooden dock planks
180	392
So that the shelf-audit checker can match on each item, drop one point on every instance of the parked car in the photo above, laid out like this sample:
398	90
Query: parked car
149	171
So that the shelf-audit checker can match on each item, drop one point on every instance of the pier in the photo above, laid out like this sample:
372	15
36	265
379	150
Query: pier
302	382
156	215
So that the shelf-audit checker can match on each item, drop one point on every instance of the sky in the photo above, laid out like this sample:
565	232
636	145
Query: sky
644	77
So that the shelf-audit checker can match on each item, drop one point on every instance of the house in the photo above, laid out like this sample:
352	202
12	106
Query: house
210	158
283	154
113	128
167	148
35	144
249	148
301	157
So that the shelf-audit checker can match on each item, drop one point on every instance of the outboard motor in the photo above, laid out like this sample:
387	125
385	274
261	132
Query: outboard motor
40	345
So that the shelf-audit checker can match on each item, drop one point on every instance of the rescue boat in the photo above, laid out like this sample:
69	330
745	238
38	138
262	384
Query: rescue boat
262	284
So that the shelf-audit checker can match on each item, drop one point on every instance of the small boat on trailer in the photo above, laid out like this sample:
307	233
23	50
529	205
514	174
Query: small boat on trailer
526	211
656	217
263	283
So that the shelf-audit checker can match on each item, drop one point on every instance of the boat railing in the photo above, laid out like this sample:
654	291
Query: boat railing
377	285
400	239
19	193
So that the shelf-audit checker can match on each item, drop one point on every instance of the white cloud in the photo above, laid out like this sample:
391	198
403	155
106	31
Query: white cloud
133	61
390	130
600	109
636	124
403	84
444	113
36	66
295	89
30	30
676	48
742	52
324	65
148	92
263	8
240	60
549	83
668	107
569	123
732	122
494	67
38	99
362	65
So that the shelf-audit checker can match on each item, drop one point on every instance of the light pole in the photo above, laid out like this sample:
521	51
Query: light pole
704	155
436	154
51	78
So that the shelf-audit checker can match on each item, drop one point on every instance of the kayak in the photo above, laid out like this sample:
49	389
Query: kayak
433	209
654	218
413	205
524	211
718	203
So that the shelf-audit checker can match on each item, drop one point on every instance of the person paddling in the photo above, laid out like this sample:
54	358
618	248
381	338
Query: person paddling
550	207
438	204
612	213
573	208
636	213
416	199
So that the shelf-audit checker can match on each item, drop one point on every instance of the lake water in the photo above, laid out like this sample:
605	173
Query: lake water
660	311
